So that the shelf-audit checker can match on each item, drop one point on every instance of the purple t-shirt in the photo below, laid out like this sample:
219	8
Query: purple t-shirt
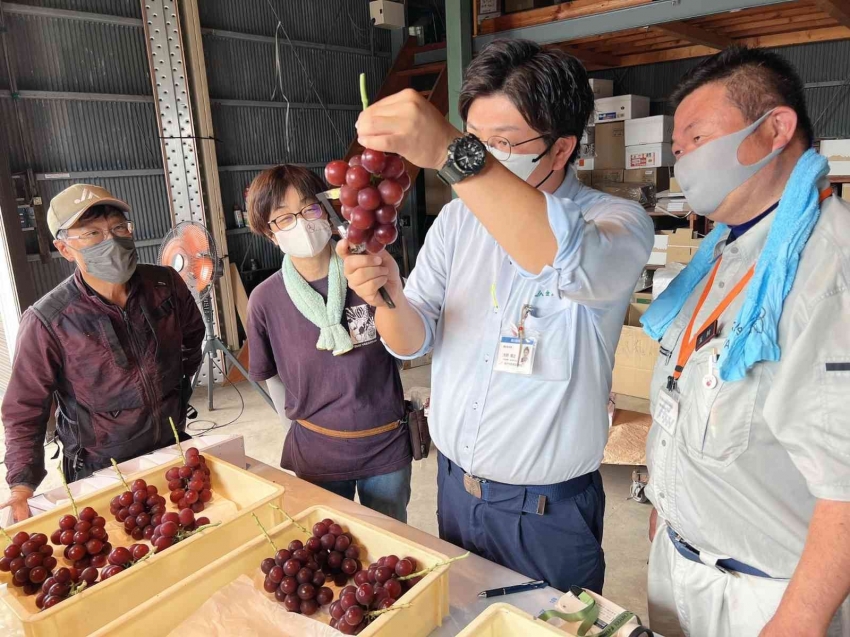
352	392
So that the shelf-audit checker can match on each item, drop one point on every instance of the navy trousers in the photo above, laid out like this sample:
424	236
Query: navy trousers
563	546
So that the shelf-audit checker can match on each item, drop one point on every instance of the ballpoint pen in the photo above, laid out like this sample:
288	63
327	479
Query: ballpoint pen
519	588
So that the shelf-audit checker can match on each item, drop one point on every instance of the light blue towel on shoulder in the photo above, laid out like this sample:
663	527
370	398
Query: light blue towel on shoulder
756	338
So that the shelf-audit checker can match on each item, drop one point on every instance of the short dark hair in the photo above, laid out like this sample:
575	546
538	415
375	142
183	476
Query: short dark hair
269	188
756	81
548	87
103	211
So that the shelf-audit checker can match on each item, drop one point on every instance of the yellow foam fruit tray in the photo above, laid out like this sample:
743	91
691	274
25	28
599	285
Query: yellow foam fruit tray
236	494
504	620
429	599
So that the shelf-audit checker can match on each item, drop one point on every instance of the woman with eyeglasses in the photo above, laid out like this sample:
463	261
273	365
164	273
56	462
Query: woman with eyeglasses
314	341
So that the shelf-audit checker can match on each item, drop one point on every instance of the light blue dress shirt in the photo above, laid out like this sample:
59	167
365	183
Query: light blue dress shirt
552	425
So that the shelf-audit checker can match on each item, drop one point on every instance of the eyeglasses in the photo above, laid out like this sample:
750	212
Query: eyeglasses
287	222
501	148
123	230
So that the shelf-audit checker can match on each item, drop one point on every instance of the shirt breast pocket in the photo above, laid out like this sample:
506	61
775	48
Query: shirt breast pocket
716	422
554	334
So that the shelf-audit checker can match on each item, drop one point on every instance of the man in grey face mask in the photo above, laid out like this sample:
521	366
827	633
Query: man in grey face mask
748	451
520	290
113	346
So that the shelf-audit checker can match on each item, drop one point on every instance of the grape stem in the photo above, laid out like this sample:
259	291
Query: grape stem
182	536
177	439
68	490
289	517
425	571
364	96
76	589
118	471
376	613
6	535
263	529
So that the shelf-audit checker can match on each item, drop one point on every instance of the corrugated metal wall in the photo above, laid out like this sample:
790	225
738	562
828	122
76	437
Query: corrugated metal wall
331	45
95	115
824	68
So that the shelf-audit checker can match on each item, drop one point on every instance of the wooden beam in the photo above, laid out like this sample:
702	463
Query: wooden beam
694	34
782	39
603	60
838	10
554	13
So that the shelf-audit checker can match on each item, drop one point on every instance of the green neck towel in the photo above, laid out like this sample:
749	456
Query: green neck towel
327	317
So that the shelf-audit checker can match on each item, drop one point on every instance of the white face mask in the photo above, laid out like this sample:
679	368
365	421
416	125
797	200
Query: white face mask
307	239
521	165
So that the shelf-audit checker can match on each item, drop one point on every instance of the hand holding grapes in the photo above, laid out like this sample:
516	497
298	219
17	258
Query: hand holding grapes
367	273
407	124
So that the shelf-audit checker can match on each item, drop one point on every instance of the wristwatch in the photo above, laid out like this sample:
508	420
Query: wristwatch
466	156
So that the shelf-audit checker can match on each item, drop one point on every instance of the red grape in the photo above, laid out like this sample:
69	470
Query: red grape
373	246
356	160
308	607
385	233
335	172
404	181
324	596
306	591
357	177
386	603
292	603
348	600
66	523
373	161
369	198
394	167
319	529
289	585
361	219
386	214
354	615
346	212
391	192
365	594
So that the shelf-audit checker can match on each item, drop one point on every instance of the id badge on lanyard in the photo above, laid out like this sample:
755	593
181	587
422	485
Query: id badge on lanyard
517	349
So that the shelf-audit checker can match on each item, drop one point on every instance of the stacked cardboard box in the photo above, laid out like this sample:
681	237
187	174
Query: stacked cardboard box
682	246
635	357
648	142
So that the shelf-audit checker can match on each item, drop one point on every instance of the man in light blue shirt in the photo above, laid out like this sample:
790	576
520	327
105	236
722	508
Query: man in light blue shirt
520	290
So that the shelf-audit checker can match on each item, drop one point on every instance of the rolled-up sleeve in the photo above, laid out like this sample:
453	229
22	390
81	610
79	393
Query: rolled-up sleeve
807	405
426	287
601	252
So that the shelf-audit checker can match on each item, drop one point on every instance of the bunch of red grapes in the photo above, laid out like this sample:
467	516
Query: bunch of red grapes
65	583
334	550
140	509
85	539
372	186
296	579
29	558
175	527
376	589
190	484
122	558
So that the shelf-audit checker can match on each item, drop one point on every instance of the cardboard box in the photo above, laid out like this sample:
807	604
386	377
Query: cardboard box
649	156
675	188
489	6
585	163
610	146
644	194
386	14
585	177
587	145
601	88
642	298
607	177
621	107
635	358
658	256
682	246
658	177
649	130
837	152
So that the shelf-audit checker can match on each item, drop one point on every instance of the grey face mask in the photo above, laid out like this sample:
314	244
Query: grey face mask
112	260
710	173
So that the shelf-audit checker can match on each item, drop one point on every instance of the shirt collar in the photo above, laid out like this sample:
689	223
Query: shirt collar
741	228
748	246
570	186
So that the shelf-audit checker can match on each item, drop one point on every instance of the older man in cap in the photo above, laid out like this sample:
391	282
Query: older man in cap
113	345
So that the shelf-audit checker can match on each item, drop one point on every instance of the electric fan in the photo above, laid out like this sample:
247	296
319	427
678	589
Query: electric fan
190	250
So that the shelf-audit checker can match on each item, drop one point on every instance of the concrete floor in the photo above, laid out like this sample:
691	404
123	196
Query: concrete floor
625	540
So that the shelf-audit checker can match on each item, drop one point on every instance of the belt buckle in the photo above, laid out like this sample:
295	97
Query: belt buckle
472	485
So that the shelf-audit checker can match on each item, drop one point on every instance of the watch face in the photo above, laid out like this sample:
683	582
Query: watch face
469	154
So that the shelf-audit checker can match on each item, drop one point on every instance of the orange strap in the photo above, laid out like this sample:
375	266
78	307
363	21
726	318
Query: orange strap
348	435
689	344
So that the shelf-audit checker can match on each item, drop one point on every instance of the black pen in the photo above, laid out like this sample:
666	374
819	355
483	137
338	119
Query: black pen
519	588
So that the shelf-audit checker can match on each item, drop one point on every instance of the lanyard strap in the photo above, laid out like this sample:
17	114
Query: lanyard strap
689	344
588	615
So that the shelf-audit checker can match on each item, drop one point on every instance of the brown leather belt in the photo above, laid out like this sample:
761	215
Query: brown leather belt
348	435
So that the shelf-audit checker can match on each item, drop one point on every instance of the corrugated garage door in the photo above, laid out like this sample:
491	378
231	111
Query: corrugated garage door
5	362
